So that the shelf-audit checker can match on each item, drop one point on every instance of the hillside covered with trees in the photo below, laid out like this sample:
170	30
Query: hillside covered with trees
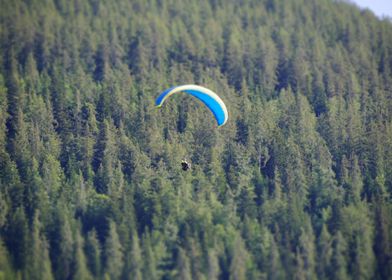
296	185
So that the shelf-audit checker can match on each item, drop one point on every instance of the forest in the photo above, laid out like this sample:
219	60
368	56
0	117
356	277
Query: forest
296	185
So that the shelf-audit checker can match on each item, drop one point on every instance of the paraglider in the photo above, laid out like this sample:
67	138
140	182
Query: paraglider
185	165
205	95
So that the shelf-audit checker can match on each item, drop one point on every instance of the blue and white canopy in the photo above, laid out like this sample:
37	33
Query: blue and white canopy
208	97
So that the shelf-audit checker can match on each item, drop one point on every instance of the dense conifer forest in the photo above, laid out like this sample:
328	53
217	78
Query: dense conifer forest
296	185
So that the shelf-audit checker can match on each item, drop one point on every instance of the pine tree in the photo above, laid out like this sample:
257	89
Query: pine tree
17	238
14	93
3	114
102	63
113	253
306	255
383	236
80	268
38	261
325	253
338	269
240	257
183	266
64	246
213	265
6	269
136	258
233	57
93	254
149	270
274	264
103	161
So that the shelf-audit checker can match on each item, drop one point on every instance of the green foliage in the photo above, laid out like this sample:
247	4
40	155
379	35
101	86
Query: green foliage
297	184
39	265
113	254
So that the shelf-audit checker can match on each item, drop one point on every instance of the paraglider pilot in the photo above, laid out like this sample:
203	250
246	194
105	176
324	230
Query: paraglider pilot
185	165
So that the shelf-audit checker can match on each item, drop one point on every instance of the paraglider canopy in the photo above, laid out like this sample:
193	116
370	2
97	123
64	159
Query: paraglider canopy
208	97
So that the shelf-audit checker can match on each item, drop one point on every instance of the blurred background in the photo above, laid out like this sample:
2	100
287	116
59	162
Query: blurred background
382	8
